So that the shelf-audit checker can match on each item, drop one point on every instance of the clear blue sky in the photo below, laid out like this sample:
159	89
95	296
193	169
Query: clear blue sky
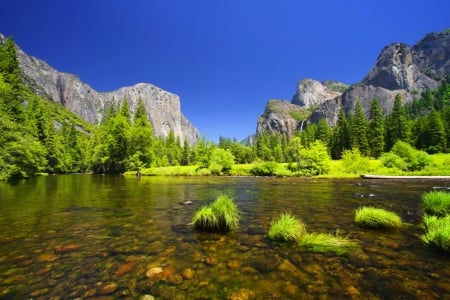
225	59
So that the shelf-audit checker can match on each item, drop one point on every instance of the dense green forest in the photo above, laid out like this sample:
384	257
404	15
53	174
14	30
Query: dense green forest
40	136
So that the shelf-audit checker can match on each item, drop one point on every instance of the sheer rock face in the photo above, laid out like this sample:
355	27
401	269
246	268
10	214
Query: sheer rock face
163	108
280	116
287	118
399	69
311	92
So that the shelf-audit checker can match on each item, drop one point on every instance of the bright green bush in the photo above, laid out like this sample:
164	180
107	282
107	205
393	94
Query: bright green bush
286	228
354	162
436	203
268	168
221	161
377	218
315	160
405	157
325	242
437	232
220	216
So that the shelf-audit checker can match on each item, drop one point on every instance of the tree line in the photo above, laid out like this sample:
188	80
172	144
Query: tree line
41	136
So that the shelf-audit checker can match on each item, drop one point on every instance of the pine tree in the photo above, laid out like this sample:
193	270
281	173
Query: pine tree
435	133
359	130
341	139
375	130
397	125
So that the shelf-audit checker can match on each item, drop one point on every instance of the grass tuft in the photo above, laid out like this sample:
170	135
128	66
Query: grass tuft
372	217
437	232
220	216
286	228
326	242
436	203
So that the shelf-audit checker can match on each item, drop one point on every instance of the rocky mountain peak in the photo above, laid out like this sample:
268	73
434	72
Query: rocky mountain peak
163	107
311	92
399	70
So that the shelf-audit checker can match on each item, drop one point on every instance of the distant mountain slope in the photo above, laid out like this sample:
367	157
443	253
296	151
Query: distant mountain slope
163	108
399	69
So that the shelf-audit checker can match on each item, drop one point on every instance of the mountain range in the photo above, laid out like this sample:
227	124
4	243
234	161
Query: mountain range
399	69
163	108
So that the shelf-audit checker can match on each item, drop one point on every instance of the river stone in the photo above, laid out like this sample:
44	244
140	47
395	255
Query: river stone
286	265
188	273
212	261
234	264
124	268
67	248
153	272
108	288
39	293
291	290
47	257
242	294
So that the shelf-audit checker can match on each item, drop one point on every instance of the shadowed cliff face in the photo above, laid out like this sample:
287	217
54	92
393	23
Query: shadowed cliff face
163	108
399	69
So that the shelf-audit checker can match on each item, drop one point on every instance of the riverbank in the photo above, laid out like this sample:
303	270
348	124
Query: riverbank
439	167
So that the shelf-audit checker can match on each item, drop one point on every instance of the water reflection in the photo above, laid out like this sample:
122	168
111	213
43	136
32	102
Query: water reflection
65	237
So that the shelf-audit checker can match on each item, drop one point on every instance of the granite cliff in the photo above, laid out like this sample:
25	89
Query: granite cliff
399	69
163	107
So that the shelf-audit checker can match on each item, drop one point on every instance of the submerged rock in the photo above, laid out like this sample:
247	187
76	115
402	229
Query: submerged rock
153	272
242	294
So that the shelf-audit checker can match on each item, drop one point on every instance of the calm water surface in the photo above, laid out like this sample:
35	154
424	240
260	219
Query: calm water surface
105	237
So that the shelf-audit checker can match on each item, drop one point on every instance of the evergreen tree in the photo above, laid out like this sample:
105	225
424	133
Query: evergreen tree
397	125
375	130
341	138
141	152
323	131
435	137
359	130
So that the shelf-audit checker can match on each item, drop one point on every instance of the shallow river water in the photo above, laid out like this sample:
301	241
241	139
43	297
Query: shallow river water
115	237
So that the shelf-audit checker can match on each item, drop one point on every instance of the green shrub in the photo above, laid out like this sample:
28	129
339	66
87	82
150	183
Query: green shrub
437	232
377	218
286	228
221	161
264	168
220	216
325	242
354	162
406	158
436	203
315	160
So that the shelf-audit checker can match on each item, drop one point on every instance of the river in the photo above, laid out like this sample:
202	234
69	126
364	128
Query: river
117	237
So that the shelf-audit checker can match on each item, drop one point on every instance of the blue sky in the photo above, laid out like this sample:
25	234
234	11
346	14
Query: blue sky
225	59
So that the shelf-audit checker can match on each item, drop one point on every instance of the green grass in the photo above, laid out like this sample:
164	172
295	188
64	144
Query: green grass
437	232
372	217
205	219
220	216
436	203
226	212
286	228
439	165
326	242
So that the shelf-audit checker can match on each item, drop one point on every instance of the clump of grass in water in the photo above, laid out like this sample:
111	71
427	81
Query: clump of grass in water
372	217
326	242
286	228
437	232
220	216
436	203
